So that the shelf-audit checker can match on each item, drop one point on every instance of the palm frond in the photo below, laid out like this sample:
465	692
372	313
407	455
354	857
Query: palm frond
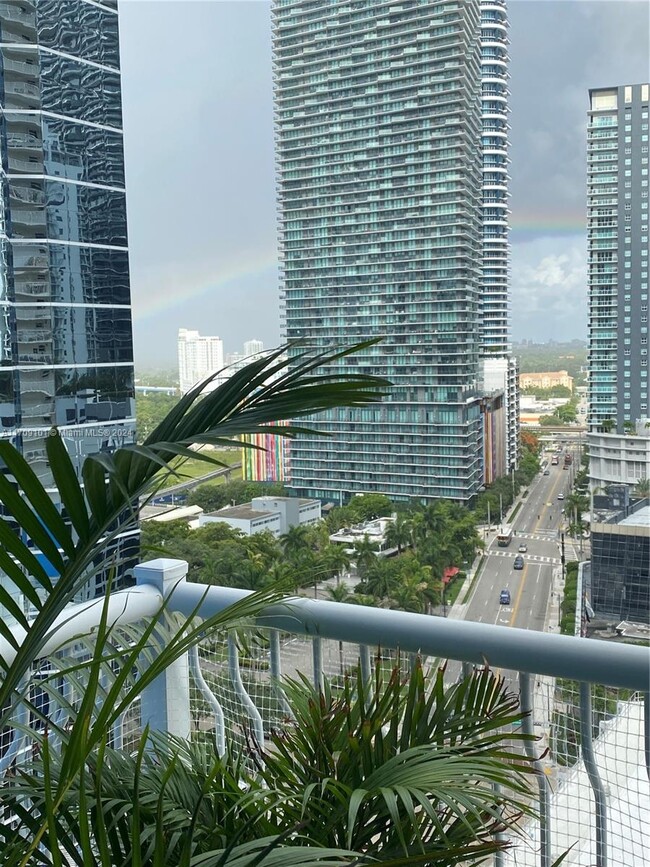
107	502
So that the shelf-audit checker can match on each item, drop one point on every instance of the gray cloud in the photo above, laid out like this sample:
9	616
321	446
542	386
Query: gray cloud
559	49
549	288
198	120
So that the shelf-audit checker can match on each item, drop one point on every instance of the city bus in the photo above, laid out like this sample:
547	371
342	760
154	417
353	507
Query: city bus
504	536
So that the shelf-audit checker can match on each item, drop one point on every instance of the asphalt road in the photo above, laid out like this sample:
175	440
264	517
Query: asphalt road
537	526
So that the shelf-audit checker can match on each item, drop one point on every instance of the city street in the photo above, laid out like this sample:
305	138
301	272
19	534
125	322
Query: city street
537	525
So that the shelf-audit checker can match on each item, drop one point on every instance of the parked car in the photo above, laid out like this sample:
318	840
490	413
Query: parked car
504	597
546	473
519	562
560	496
522	548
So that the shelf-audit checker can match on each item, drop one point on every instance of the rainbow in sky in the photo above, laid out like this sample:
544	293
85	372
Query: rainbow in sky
531	225
177	294
524	227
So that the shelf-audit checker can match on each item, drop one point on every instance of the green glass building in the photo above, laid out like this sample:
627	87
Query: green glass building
618	253
379	165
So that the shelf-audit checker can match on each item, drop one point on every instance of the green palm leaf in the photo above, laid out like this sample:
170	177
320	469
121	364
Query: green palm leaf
108	501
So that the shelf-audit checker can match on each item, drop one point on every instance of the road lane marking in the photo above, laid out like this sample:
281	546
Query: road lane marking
515	607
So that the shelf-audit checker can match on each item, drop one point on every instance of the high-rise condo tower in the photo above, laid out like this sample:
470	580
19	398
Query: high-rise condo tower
617	211
500	370
379	161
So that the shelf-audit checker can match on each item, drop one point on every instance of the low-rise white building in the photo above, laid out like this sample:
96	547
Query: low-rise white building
245	519
619	459
293	510
267	514
374	531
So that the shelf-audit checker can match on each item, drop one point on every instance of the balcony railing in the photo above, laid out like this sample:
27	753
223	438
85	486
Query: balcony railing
585	700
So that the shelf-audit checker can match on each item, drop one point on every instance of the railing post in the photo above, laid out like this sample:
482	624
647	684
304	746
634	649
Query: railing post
240	691
498	837
211	699
646	731
165	703
275	664
366	666
527	725
317	659
600	795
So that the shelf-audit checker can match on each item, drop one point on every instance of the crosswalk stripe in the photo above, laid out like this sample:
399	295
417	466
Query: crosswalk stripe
530	558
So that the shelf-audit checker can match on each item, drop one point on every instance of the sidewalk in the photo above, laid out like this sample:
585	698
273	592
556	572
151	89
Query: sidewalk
458	609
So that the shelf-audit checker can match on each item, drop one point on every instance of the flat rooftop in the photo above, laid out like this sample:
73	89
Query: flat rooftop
300	500
244	513
638	519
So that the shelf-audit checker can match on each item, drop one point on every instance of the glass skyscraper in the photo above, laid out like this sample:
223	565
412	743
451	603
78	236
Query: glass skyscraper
617	208
379	162
66	355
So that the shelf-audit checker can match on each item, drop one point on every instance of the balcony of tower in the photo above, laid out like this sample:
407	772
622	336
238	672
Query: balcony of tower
495	64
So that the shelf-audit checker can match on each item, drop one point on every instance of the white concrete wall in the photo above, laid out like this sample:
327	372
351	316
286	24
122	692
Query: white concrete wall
617	459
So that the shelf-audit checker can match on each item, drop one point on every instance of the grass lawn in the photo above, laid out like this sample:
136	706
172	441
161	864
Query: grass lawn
195	469
452	591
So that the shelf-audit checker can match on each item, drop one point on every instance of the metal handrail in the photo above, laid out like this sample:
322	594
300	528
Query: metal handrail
616	665
586	660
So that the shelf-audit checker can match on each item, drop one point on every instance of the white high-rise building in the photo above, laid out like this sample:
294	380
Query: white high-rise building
618	253
499	368
198	357
253	347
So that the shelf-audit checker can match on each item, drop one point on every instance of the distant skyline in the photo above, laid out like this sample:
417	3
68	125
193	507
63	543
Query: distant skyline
198	121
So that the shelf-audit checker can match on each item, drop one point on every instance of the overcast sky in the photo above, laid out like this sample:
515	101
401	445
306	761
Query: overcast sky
198	120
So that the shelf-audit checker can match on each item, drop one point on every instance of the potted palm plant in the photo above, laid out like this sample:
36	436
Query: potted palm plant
397	777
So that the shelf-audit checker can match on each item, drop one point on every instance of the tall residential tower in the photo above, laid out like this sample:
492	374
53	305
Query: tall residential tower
378	118
198	357
617	203
499	368
65	328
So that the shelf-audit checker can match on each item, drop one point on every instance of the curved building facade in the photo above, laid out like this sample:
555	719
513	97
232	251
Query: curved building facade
499	367
66	353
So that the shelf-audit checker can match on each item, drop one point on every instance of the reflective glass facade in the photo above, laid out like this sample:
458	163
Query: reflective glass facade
66	353
378	118
620	568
